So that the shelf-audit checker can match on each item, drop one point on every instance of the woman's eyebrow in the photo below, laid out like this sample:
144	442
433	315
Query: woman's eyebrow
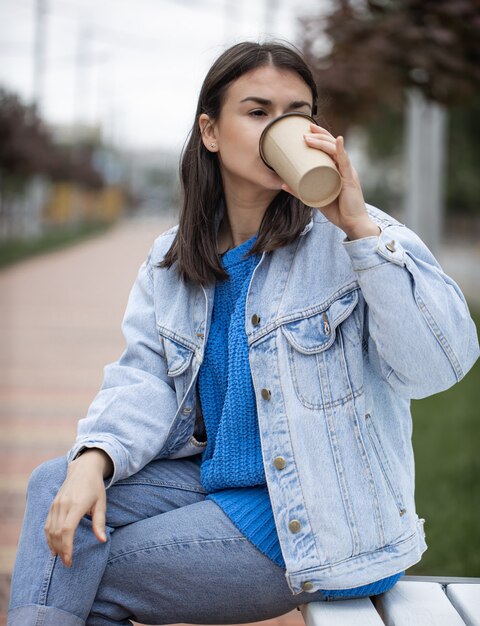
296	104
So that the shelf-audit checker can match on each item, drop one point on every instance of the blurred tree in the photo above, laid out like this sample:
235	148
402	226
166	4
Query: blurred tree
25	147
27	150
379	48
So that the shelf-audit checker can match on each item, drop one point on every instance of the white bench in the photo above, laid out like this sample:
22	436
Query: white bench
413	601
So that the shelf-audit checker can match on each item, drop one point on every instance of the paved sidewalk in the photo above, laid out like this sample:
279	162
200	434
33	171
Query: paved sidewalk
60	317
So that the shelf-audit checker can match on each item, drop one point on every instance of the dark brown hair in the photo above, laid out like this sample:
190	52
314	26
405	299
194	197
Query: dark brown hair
195	245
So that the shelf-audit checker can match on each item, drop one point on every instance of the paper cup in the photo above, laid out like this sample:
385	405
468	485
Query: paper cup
310	172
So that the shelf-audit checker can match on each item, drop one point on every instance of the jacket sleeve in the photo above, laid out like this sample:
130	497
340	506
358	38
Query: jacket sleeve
421	338
131	415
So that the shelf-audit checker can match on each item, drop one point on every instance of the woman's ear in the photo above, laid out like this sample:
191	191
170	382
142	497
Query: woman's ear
208	133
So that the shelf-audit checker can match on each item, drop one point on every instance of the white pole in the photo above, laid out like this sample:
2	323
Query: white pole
426	132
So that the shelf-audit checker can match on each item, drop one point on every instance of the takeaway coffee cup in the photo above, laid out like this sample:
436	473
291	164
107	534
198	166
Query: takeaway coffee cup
310	172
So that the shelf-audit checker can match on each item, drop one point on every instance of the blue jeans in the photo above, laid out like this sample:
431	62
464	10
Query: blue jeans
171	557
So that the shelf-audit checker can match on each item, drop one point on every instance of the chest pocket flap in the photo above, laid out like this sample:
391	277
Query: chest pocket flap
313	334
177	355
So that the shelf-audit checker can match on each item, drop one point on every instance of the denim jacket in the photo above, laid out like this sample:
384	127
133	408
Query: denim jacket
342	335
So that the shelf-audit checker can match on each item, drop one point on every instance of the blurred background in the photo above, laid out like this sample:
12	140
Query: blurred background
96	101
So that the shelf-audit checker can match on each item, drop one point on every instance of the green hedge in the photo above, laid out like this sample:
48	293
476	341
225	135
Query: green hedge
15	250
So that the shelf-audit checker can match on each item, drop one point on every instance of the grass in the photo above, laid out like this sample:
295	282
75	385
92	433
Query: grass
15	250
446	438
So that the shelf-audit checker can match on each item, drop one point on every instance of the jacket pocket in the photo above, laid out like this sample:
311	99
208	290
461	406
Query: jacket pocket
177	354
384	464
316	356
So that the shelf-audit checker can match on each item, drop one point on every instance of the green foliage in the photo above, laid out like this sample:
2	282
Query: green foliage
15	250
463	182
26	149
385	131
446	434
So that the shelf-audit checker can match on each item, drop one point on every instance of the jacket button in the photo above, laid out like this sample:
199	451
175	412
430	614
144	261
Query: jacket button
255	319
390	246
266	394
294	526
279	462
307	586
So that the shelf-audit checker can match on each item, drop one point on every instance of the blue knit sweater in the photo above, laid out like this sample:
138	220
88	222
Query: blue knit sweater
232	470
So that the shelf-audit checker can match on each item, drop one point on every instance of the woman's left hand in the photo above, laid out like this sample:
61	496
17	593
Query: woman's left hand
348	211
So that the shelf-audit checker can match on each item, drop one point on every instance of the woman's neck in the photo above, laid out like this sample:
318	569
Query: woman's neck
242	218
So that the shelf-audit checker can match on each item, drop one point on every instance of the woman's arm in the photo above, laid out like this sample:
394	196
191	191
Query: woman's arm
421	337
130	417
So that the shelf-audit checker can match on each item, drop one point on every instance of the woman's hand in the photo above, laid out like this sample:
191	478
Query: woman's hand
348	211
82	492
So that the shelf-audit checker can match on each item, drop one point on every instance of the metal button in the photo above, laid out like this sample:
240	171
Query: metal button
307	586
390	246
294	526
255	319
279	462
187	409
266	394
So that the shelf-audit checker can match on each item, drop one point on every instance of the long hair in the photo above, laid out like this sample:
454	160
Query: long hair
194	248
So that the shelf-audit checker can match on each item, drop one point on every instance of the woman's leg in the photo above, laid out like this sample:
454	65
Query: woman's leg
45	592
190	565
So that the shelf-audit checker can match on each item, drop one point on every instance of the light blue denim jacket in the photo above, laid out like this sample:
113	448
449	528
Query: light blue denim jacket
341	334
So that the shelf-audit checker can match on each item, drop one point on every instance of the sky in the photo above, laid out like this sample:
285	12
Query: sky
133	66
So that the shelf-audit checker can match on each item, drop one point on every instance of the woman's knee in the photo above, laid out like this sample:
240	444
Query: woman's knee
48	476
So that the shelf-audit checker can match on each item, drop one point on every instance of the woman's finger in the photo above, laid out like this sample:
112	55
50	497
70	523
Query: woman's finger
317	140
320	130
69	526
47	527
98	519
323	144
59	512
343	159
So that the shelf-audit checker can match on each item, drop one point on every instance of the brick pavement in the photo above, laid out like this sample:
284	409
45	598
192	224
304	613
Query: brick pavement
60	318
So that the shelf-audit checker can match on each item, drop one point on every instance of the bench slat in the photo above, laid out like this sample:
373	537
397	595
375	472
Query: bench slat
418	604
360	612
466	599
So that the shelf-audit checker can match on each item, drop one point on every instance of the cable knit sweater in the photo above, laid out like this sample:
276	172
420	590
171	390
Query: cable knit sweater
232	470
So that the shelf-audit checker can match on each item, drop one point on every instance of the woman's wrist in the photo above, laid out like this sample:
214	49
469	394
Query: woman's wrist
365	228
99	457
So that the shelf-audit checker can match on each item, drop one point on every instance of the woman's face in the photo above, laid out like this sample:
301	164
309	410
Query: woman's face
250	103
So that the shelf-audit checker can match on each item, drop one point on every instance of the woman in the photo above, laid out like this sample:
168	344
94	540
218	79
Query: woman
251	449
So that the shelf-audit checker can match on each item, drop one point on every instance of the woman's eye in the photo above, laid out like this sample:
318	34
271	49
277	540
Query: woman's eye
257	113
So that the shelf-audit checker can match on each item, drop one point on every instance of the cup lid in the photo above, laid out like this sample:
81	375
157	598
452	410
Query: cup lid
270	124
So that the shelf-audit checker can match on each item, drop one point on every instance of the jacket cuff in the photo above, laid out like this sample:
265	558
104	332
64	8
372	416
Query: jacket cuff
110	448
369	252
